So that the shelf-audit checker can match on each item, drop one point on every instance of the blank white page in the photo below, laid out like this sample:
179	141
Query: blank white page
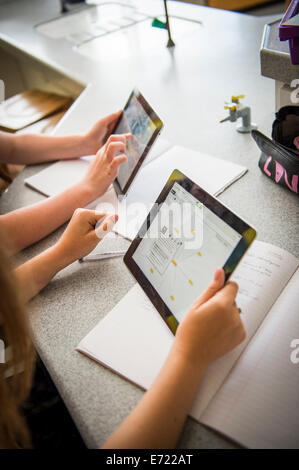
159	147
58	177
258	405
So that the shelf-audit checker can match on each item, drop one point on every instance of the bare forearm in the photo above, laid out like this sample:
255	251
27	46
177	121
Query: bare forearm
79	239
30	148
28	225
158	419
34	275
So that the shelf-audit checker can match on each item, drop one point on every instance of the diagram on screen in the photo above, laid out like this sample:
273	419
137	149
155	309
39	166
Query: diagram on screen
181	274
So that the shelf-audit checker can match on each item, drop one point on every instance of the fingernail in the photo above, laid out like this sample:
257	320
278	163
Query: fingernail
106	226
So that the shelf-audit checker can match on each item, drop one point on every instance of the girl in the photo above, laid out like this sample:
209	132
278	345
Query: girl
211	328
49	214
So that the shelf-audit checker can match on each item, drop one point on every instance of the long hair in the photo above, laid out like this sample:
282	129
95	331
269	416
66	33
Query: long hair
16	372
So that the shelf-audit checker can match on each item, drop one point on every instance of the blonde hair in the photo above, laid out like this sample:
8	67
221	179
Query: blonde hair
15	333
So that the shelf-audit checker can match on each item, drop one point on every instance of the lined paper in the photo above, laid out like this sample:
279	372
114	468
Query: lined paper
258	405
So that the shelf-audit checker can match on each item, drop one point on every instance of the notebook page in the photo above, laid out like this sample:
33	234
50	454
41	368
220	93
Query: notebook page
58	176
134	341
159	147
261	276
258	405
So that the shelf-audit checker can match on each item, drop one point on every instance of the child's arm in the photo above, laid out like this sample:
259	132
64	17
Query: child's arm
29	224
30	148
211	329
80	238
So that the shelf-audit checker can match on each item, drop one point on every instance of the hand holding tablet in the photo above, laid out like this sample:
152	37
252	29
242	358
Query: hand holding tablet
140	120
187	235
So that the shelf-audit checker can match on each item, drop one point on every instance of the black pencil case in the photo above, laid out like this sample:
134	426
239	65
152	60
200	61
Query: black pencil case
277	160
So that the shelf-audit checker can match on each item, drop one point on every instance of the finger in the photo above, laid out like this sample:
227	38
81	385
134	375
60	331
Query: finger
111	118
213	288
235	316
84	213
228	294
97	218
117	161
117	138
106	226
90	216
113	148
110	122
99	215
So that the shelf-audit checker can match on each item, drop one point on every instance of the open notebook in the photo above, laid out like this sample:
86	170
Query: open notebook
251	394
213	174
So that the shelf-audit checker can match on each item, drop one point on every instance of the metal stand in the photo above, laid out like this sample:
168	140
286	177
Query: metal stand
160	24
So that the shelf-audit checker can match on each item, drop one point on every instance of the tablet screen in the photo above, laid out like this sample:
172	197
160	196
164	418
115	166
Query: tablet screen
139	119
187	237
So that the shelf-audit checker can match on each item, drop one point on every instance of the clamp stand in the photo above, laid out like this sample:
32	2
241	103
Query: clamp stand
160	24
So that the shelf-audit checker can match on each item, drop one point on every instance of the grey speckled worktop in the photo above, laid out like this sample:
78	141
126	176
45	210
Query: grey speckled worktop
188	88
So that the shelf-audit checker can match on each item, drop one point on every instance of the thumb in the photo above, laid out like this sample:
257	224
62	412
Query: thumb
111	122
111	118
228	294
104	226
93	217
213	288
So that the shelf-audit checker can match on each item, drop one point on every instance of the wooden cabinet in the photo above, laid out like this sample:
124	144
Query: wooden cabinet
236	4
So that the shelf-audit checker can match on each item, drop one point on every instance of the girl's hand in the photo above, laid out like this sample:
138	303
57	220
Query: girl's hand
83	233
104	168
212	327
99	133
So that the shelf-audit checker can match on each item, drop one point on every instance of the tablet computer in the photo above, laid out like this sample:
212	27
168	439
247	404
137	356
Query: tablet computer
187	235
139	119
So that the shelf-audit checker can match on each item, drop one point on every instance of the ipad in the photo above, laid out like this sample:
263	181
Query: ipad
187	235
141	120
